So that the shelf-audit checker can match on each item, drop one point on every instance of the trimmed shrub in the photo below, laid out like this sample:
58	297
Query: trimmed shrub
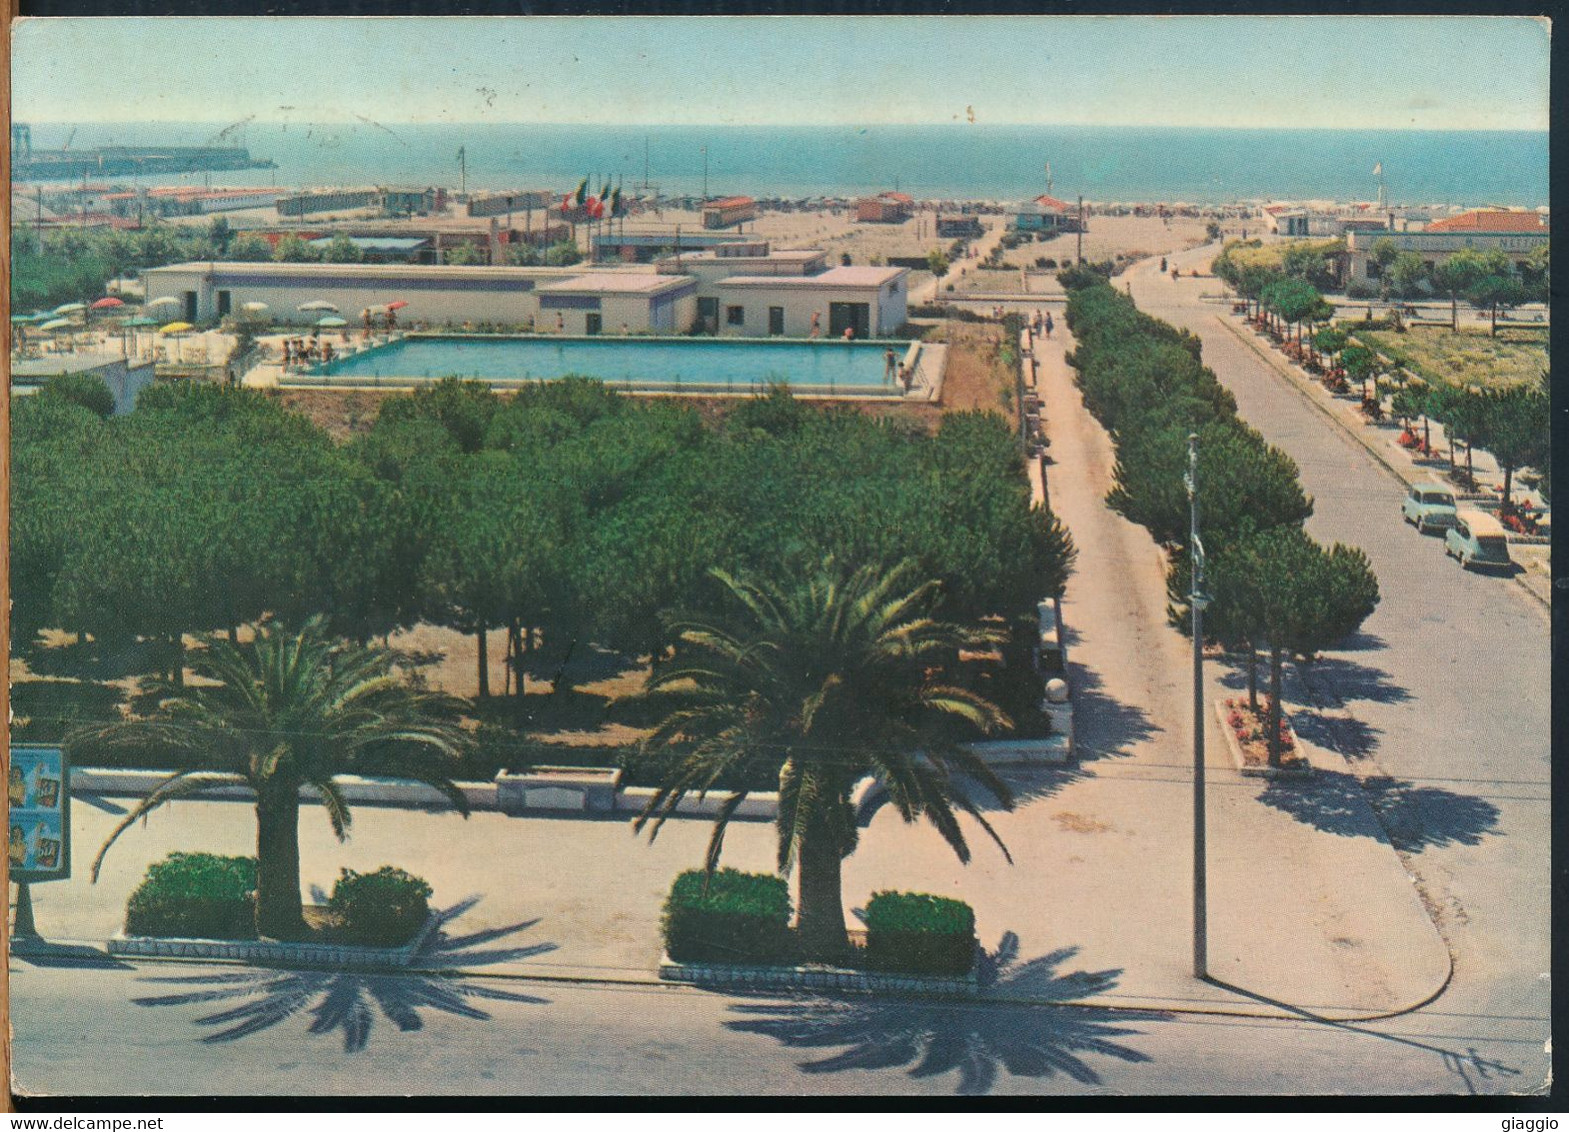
918	934
740	918
195	896
85	389
380	909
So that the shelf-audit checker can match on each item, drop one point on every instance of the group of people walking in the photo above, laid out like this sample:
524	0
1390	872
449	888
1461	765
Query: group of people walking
301	351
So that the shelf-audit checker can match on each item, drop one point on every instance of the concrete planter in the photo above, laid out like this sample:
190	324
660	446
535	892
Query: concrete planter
274	952
833	979
357	789
573	789
1243	767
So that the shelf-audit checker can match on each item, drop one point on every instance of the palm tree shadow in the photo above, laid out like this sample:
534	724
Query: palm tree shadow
1013	1023
350	1001
1412	817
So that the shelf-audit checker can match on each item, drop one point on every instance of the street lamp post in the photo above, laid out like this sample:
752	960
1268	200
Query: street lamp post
1197	601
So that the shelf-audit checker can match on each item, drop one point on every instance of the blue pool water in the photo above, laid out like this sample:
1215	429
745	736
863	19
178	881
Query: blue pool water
694	365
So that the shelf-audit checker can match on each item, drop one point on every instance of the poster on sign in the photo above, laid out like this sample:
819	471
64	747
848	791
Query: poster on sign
38	790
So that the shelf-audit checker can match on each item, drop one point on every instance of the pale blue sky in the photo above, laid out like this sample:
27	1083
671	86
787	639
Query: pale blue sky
1347	72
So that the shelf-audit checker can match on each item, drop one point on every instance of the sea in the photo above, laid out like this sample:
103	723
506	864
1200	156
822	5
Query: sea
949	161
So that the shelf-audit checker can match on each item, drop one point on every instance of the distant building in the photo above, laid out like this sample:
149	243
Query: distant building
1491	220
884	208
326	200
508	202
646	247
403	201
605	301
1435	245
1044	214
728	212
959	227
1284	220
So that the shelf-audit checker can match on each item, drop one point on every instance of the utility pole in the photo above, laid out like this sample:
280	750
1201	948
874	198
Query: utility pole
1079	255
705	174
1197	601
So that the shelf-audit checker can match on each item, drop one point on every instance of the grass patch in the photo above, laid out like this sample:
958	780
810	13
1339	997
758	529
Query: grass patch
1470	357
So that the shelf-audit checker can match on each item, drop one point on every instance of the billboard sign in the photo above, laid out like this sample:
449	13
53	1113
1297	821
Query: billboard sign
38	790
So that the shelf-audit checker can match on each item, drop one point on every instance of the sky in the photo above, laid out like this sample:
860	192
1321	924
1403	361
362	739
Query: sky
1465	72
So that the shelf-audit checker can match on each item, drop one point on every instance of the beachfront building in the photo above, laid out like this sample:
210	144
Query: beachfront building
326	200
1284	220
884	208
959	228
1438	241
646	247
727	212
712	268
506	203
617	302
871	302
208	291
1044	216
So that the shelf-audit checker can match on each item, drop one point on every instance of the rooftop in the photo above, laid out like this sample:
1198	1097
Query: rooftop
39	369
729	202
1490	220
862	277
618	283
376	243
391	271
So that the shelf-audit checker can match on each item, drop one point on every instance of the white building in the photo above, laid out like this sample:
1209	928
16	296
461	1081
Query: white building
618	302
872	302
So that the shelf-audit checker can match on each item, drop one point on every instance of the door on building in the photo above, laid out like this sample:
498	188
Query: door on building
775	321
708	315
592	323
856	316
190	306
223	304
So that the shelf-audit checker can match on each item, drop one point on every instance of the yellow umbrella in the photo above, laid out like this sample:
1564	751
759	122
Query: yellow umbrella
176	328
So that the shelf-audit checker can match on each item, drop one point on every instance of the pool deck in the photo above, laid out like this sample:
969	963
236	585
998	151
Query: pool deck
925	386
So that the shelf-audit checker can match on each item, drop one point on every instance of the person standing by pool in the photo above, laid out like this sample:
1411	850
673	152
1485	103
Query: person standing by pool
1049	324
890	364
849	333
561	323
817	324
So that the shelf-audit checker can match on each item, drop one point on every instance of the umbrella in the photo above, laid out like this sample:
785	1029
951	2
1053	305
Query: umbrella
318	305
254	308
70	308
108	302
57	324
140	320
166	301
176	328
397	306
332	320
22	318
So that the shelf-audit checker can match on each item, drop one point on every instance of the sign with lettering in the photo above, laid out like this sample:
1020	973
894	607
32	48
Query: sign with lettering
38	789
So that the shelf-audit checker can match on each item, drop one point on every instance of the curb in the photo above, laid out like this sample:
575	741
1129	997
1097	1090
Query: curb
1306	394
273	952
722	976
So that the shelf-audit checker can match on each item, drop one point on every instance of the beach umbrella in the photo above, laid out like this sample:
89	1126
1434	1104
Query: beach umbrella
318	305
332	320
166	301
70	308
397	306
108	302
57	324
176	328
254	308
23	318
140	320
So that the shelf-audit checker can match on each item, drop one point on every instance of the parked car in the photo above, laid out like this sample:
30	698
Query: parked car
1431	506
1477	540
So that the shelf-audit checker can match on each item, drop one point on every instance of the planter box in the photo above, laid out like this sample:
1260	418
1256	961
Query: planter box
274	952
570	789
814	978
357	789
1235	746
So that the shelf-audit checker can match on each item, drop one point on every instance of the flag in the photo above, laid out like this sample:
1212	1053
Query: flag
1378	170
615	202
595	208
582	193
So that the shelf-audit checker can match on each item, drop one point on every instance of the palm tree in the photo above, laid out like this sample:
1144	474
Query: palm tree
287	710
816	684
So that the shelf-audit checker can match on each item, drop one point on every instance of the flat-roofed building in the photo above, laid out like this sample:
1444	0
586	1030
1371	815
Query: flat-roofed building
327	200
884	208
728	212
615	302
124	377
872	302
1435	245
506	202
711	268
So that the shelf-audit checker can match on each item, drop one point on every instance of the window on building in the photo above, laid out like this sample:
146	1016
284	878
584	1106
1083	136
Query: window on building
735	316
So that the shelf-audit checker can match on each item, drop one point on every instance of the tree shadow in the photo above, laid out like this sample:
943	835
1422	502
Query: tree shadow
1011	1024
1350	737
44	953
1348	681
1104	727
349	1001
1412	817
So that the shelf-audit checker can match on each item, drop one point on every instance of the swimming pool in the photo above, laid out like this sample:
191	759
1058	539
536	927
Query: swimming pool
682	365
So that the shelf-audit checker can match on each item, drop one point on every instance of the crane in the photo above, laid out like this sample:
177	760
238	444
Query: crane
227	130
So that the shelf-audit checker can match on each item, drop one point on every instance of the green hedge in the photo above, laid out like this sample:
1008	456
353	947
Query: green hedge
195	896
380	909
914	933
737	918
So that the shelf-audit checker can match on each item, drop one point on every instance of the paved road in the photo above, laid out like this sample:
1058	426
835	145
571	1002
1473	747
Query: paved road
197	1030
1448	689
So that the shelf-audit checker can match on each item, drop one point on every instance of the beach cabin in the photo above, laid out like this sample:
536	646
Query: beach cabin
728	212
1043	215
884	208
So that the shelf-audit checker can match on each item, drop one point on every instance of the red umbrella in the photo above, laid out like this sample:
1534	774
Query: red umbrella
106	303
397	306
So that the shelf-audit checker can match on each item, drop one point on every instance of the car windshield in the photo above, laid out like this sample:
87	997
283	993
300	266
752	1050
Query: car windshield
1441	497
1492	544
